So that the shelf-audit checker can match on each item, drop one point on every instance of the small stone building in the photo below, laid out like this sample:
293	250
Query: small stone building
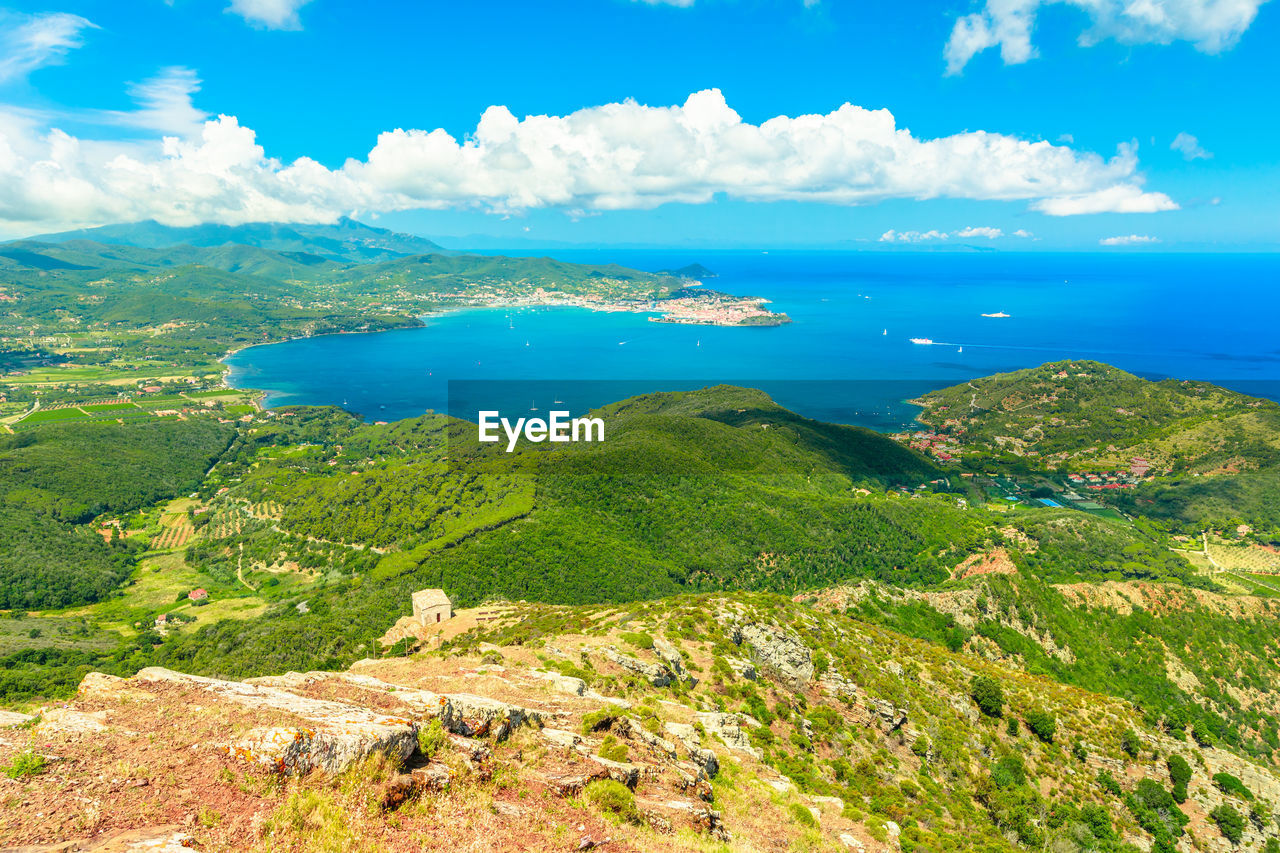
431	606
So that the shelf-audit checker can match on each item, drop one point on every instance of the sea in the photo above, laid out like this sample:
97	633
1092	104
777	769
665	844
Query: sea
846	357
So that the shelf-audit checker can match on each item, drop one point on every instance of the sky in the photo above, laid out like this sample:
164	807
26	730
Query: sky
1106	125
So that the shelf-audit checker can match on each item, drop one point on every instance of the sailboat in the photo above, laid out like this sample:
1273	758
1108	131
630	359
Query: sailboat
699	342
960	349
885	332
533	405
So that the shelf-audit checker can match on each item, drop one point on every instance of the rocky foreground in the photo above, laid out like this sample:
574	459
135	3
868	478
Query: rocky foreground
721	726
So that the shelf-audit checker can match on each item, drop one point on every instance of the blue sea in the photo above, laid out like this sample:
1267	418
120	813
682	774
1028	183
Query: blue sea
846	357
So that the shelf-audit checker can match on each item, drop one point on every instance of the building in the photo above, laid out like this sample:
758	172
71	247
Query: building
198	595
431	606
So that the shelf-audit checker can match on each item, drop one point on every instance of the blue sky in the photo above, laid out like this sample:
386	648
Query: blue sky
1057	120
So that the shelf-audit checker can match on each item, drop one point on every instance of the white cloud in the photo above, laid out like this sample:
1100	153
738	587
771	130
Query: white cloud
611	157
1210	25
969	232
1024	233
164	104
980	231
28	42
270	14
1189	147
1128	240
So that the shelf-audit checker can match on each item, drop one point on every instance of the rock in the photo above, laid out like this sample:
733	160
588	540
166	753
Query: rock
10	719
100	685
744	668
665	815
892	828
656	674
688	737
851	842
560	737
671	656
729	728
433	777
570	785
68	721
891	717
470	748
627	774
630	727
479	716
834	802
151	839
561	683
397	791
460	713
335	734
778	653
586	844
893	668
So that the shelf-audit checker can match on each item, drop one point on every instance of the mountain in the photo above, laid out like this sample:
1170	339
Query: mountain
346	241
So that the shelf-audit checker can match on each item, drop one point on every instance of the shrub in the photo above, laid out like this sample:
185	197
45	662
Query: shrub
1230	823
1180	775
613	749
601	719
1042	724
1228	784
802	815
1108	783
986	691
638	639
432	738
25	764
614	798
1078	751
1011	726
1129	743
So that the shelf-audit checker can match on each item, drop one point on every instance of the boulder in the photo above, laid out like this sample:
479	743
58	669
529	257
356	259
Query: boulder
743	668
560	737
332	736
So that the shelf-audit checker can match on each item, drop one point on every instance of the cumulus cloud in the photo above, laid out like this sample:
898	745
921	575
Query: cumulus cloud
1210	25
1024	233
611	157
1189	147
270	14
1128	240
28	42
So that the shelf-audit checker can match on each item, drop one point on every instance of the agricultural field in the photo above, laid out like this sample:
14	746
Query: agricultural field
1253	559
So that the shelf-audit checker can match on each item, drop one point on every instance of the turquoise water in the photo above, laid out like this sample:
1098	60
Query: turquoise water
846	357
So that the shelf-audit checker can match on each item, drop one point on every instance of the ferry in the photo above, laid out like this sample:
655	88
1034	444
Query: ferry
922	340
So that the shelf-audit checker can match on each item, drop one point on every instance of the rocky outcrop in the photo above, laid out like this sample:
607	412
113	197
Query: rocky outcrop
330	737
671	656
656	674
775	651
730	728
687	736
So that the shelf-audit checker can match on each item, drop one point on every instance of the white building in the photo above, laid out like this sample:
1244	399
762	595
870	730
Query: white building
431	606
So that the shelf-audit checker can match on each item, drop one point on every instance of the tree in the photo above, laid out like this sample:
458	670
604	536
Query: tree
1180	775
1230	823
986	691
1042	724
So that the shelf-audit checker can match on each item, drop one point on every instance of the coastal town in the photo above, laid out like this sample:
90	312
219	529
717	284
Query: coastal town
686	306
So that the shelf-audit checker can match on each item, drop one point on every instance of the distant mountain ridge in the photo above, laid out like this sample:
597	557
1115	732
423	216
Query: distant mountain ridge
345	241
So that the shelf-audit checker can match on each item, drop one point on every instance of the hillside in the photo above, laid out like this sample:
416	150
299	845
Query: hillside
712	723
1084	415
345	241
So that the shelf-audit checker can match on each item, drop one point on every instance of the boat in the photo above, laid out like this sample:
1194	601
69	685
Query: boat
959	349
922	340
997	314
885	332
533	405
